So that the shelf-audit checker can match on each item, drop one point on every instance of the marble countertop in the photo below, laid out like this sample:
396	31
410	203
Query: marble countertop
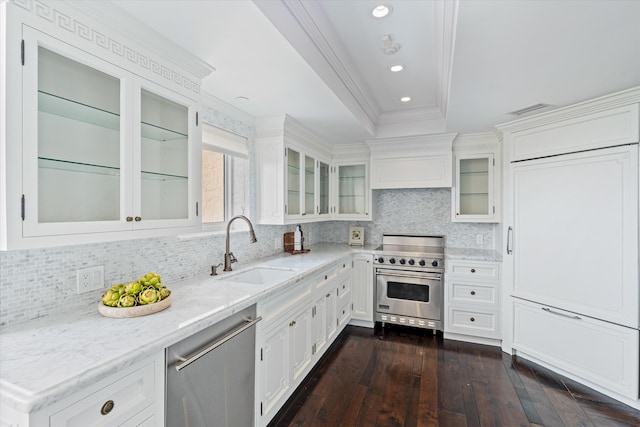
48	359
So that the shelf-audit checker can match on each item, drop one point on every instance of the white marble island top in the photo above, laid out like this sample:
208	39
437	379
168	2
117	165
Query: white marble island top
47	359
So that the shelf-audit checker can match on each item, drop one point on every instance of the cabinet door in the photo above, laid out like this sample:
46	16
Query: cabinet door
164	193
74	170
274	377
352	191
293	182
331	325
319	324
362	288
309	186
474	188
300	344
575	233
323	188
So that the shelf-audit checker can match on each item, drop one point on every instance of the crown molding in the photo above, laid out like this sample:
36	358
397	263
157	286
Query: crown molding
606	102
413	144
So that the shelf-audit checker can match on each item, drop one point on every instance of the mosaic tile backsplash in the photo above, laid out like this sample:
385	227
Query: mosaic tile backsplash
41	282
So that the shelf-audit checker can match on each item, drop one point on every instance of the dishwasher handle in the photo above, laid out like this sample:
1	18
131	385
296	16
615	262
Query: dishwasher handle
240	329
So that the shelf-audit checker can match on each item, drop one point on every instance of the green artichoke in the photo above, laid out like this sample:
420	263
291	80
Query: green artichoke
111	297
151	279
164	292
148	295
119	288
133	288
127	300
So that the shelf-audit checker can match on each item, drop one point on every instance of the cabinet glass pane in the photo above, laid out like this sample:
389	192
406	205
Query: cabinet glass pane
474	186
324	188
78	141
309	185
164	157
351	189
293	182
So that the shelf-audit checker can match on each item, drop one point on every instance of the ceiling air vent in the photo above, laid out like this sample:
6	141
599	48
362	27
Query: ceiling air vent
529	109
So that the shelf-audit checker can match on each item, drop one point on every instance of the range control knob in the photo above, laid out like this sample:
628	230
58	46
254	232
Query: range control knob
422	263
435	263
392	260
411	262
381	260
402	261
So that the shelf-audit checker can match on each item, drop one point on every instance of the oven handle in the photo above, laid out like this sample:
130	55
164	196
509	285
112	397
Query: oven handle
413	276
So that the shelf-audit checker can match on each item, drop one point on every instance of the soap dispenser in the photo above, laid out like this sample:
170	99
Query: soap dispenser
297	239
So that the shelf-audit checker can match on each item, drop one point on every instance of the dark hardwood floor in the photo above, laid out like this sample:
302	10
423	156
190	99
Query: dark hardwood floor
413	378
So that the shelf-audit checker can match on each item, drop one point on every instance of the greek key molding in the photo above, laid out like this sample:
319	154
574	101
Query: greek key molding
86	32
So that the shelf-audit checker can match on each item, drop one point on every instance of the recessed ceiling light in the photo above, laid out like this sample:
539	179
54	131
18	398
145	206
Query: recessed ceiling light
405	99
381	11
396	68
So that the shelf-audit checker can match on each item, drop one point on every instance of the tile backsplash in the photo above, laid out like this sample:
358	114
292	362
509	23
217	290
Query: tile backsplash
41	282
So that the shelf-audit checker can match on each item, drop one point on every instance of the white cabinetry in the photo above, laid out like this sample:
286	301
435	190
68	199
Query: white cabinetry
104	147
283	349
292	171
476	179
132	396
472	301
362	286
571	238
423	162
350	189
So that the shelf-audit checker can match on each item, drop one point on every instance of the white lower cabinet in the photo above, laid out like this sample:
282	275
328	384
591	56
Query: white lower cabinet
472	301
602	353
362	287
132	396
297	328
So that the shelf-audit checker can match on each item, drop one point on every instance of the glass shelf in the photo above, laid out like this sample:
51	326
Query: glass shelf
70	166
470	193
158	133
70	109
350	177
477	173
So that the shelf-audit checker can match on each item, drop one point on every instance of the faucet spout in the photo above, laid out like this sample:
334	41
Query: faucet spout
229	258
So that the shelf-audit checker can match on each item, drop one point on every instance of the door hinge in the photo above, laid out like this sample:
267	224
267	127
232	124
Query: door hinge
285	209
22	207
196	118
196	208
337	323
261	354
22	51
494	162
494	209
351	306
260	408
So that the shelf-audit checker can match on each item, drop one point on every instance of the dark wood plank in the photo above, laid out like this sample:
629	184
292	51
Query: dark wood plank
412	378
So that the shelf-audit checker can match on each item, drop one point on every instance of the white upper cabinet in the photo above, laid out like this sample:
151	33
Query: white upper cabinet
292	173
106	148
411	162
351	192
475	194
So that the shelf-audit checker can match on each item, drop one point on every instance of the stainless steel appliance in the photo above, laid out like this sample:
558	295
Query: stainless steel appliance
210	375
409	272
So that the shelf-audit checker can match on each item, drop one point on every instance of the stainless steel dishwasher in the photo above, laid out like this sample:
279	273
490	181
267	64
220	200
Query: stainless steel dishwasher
210	375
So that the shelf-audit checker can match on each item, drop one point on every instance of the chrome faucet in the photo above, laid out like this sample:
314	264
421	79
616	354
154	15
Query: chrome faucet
229	257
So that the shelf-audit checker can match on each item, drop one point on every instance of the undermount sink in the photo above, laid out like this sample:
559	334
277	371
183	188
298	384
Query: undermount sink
261	276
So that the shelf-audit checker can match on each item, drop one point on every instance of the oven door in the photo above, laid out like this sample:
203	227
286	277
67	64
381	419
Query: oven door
409	293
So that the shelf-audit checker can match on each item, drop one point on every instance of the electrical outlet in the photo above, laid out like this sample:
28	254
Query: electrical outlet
90	278
479	239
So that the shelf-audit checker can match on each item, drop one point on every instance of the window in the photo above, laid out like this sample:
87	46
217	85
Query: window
225	172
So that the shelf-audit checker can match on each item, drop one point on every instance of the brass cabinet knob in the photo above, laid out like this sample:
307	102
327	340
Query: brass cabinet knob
473	319
107	407
328	295
138	219
473	270
473	292
129	218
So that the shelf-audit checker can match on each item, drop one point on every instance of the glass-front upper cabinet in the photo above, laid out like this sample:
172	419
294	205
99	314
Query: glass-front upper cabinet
103	149
352	191
309	185
323	188
294	178
473	188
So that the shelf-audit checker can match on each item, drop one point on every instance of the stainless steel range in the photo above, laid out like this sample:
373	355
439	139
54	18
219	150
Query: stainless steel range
409	272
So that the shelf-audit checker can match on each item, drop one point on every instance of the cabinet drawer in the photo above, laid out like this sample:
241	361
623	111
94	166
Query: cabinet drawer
475	270
344	289
597	351
484	294
126	397
472	322
343	266
344	314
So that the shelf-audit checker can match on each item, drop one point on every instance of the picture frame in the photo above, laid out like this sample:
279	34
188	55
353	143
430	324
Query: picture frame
356	236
